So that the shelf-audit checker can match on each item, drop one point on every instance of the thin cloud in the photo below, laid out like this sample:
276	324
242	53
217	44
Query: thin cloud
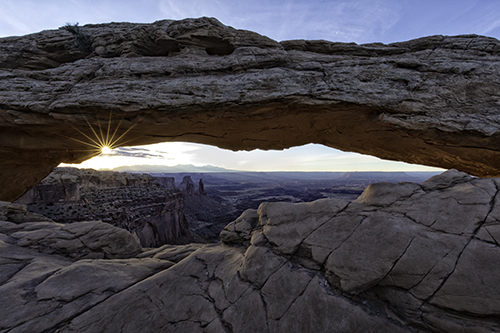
11	21
480	18
358	21
333	20
184	9
137	153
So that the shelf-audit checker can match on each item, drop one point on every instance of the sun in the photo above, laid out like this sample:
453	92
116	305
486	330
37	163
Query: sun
106	150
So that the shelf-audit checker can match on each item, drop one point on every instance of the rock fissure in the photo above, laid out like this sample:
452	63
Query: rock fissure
466	314
203	286
366	303
492	237
407	216
398	259
62	303
429	299
266	311
425	275
345	240
293	254
10	278
220	283
432	223
36	282
248	287
296	298
260	284
225	325
492	206
59	307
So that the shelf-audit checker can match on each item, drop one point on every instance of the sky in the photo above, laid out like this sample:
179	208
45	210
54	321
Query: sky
360	21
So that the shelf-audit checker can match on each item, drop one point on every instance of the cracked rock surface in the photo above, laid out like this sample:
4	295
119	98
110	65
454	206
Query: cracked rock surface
401	258
432	100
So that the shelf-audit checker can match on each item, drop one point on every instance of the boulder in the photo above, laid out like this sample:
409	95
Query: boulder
430	101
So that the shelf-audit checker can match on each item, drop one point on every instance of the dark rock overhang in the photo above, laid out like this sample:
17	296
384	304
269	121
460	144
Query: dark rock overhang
431	101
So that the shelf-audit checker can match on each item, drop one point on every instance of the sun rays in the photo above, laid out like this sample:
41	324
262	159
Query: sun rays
101	140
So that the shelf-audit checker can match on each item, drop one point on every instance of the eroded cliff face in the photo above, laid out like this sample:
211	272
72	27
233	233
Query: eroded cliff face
401	258
138	203
55	188
431	101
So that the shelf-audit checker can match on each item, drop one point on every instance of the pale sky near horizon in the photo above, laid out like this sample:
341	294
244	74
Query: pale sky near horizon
359	21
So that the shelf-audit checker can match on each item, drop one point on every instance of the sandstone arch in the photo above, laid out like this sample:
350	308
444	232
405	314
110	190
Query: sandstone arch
431	101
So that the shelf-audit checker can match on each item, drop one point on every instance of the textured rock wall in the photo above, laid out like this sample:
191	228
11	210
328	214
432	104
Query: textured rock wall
62	188
134	202
166	226
401	258
167	182
63	184
431	101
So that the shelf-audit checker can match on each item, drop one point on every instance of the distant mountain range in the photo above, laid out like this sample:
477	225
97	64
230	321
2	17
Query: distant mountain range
184	169
172	169
378	175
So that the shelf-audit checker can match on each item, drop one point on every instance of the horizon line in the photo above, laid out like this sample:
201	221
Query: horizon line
227	170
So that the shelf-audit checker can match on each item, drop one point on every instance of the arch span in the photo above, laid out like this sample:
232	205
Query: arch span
431	101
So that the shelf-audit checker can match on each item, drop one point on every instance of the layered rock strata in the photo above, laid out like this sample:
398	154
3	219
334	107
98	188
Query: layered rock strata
431	101
137	203
401	258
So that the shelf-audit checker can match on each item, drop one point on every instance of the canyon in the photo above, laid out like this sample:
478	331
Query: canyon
165	208
152	209
402	257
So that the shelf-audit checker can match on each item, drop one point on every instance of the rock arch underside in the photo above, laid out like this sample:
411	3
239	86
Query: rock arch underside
401	258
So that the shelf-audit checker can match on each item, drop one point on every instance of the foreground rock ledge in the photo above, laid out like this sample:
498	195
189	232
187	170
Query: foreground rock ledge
431	101
401	258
